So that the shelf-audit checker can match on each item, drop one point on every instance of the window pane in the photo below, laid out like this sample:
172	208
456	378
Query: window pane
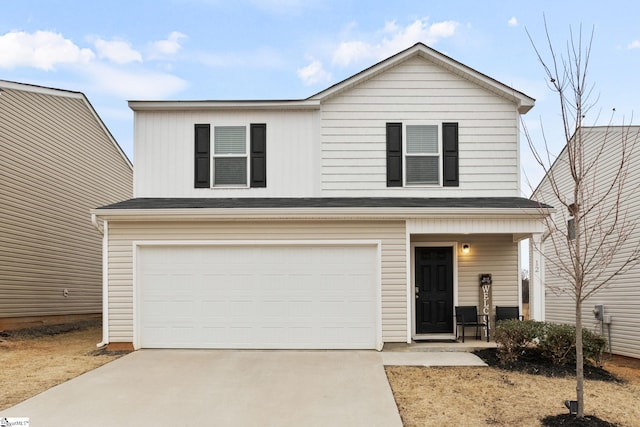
230	140
422	170
230	171
422	139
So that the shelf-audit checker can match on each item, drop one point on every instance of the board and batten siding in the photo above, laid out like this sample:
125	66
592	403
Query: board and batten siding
123	234
57	164
416	91
164	152
621	297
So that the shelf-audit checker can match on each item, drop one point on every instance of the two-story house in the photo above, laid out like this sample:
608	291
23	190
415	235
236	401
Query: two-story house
358	216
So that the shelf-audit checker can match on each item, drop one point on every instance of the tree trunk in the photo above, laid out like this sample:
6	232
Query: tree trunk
579	361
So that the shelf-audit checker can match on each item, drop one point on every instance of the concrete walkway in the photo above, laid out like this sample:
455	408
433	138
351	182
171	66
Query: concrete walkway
222	388
430	358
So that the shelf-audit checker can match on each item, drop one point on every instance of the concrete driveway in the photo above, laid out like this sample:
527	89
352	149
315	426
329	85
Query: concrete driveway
222	388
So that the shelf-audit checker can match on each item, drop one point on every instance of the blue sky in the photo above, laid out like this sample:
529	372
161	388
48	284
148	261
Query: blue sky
115	51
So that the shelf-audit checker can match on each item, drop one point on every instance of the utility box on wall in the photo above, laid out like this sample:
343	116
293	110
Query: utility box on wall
598	312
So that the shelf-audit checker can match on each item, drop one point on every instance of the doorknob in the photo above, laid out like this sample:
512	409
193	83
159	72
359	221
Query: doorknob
417	292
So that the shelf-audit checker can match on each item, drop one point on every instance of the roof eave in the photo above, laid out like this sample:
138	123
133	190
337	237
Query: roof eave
315	213
224	105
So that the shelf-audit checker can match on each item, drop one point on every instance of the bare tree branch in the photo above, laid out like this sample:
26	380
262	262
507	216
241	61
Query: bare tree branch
585	183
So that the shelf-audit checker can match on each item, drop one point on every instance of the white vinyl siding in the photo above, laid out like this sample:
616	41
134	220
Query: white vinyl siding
164	152
390	234
353	139
58	162
621	297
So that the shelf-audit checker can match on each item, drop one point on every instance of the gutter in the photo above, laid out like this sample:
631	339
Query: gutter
94	221
103	229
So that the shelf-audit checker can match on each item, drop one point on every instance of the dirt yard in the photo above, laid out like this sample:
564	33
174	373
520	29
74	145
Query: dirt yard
35	360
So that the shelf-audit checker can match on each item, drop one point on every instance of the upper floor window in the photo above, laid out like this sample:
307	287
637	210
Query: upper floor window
422	155
234	160
230	156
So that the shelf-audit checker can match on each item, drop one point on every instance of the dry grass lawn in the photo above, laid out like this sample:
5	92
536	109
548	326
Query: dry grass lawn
29	366
493	397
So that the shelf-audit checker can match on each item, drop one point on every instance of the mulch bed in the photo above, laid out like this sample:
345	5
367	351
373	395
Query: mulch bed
531	362
567	420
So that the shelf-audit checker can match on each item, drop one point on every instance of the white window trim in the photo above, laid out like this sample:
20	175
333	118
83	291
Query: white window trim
405	153
245	155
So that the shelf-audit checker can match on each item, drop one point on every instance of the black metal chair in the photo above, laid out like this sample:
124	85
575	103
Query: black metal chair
467	315
508	313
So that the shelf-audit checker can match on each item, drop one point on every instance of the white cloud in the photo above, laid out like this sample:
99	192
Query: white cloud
314	73
395	38
117	51
134	84
41	49
513	22
169	46
634	44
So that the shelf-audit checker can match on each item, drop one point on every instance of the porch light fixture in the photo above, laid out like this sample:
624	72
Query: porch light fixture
465	248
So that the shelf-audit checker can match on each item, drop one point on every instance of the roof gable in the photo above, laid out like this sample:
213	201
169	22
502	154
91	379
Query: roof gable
8	85
524	102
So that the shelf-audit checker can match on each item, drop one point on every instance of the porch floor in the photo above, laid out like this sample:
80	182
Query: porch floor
470	345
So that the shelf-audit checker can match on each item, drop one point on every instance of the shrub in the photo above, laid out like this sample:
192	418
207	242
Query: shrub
593	346
513	336
558	344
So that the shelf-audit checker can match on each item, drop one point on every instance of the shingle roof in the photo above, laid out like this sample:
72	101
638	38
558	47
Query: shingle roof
329	202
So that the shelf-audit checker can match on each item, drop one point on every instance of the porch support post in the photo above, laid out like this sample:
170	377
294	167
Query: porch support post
536	278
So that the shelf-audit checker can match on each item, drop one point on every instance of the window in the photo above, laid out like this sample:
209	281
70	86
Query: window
422	158
571	229
229	156
234	160
422	155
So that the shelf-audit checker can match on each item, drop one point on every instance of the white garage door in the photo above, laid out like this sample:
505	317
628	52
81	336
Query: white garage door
314	297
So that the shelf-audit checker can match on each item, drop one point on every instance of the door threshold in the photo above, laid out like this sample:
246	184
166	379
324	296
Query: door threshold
435	337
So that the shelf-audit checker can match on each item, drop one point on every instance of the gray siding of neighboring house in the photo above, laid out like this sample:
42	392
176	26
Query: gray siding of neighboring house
621	296
58	162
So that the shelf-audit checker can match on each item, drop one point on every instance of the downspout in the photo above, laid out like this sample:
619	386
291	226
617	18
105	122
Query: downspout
104	230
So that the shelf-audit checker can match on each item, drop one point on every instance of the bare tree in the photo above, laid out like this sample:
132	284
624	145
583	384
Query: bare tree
586	243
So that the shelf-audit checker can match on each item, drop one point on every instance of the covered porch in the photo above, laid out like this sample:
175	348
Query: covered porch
465	260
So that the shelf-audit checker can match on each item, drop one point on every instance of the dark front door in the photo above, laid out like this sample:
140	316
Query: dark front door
434	290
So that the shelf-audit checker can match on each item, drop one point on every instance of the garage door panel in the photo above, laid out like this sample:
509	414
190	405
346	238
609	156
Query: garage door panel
257	297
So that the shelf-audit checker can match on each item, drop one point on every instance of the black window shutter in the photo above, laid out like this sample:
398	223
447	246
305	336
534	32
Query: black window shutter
450	155
258	155
394	154
202	166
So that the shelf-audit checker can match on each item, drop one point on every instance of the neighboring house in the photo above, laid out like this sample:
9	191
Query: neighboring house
336	221
58	161
621	298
